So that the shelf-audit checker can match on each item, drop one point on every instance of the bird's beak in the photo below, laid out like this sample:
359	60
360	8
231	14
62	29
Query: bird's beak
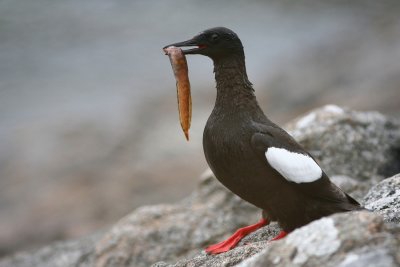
189	43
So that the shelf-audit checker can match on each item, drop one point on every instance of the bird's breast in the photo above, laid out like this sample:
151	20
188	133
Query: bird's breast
229	154
234	162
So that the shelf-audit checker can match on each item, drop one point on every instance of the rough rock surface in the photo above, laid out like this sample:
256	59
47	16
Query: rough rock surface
173	231
356	239
357	149
385	199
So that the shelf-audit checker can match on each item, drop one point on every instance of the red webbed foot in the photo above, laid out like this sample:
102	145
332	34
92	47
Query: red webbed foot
281	235
232	241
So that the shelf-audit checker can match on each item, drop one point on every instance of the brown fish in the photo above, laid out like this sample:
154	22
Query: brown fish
180	68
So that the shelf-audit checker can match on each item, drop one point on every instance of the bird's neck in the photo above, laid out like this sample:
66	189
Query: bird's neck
234	90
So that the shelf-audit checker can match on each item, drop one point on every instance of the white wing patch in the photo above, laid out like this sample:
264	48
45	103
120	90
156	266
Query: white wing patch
295	167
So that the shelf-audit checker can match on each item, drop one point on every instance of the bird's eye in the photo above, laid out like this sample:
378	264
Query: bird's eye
214	37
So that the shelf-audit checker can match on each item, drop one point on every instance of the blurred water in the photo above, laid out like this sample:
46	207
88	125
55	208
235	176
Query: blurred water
96	58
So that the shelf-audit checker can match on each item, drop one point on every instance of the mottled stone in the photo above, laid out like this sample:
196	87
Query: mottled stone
384	198
347	239
379	257
318	239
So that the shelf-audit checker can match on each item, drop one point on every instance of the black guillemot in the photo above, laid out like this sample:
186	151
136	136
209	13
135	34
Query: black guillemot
253	157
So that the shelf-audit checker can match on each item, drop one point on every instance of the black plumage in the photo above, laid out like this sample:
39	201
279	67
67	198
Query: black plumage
238	135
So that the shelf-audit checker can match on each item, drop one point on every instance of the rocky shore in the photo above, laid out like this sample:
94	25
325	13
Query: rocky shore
359	150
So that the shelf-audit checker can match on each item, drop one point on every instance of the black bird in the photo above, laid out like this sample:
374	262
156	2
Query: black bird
253	157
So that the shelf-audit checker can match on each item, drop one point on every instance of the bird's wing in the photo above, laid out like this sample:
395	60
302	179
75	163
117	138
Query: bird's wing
281	152
278	149
295	167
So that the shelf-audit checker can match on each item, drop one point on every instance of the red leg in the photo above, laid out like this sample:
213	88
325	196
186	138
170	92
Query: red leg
281	235
235	238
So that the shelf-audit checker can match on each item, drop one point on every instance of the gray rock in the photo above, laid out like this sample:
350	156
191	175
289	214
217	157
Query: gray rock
175	234
78	253
250	245
379	257
347	239
170	232
384	198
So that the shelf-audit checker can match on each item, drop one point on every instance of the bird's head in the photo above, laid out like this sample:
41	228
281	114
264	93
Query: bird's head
216	43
